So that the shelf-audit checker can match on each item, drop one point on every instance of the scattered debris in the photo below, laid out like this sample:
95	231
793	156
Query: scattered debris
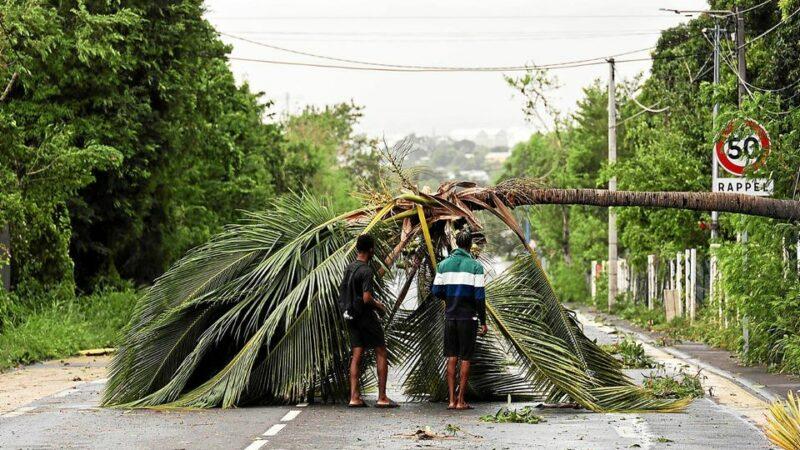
451	431
569	405
77	379
679	385
97	352
505	415
630	353
663	439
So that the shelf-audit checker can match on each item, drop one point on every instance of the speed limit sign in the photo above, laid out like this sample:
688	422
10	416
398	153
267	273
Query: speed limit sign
735	152
738	148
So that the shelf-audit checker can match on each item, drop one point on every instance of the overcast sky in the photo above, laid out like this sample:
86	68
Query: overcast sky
441	33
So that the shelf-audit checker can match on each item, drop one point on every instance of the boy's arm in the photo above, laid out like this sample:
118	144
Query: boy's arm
438	289
366	286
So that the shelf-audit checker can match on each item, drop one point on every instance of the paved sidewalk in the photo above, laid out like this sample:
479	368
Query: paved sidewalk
757	379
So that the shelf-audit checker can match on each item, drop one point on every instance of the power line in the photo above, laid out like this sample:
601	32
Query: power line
422	67
755	7
721	13
454	69
782	22
477	40
498	17
444	37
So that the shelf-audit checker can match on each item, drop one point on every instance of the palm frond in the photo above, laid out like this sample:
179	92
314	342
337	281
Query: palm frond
267	325
521	314
252	315
783	423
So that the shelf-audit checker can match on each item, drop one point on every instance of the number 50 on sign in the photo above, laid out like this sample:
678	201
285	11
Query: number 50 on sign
749	148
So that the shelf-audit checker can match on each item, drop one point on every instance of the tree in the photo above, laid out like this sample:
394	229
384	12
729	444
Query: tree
169	148
252	316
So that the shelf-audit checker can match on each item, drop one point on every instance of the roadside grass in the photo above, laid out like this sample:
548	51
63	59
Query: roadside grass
704	328
59	327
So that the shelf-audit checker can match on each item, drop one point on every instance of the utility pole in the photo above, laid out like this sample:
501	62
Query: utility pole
714	163
742	66
612	186
742	79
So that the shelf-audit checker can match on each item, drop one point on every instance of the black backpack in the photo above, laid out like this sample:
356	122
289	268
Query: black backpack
347	306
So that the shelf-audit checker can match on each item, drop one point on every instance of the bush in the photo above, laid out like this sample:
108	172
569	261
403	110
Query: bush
56	327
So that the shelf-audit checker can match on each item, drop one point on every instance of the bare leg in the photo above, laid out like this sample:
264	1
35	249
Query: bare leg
462	386
355	372
382	357
452	361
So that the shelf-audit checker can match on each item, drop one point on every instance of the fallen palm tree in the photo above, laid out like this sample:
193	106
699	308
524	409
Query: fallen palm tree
252	316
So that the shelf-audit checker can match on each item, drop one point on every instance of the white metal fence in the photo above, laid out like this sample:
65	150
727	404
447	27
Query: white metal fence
679	284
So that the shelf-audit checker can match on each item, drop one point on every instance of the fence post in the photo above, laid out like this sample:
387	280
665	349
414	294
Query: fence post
693	284
679	283
651	281
593	281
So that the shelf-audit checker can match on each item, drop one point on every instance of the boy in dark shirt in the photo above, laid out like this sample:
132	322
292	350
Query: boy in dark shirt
363	324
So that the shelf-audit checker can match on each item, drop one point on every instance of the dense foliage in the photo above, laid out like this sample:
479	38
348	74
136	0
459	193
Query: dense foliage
671	150
126	140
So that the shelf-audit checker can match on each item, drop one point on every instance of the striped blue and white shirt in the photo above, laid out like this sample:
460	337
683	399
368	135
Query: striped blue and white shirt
460	283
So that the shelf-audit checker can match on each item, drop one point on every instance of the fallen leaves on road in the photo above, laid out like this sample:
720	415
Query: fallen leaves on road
505	415
451	431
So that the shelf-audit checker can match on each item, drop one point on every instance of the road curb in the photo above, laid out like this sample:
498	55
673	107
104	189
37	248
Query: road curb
744	383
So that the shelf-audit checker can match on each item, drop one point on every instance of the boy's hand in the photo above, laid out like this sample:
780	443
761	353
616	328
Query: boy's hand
380	307
484	329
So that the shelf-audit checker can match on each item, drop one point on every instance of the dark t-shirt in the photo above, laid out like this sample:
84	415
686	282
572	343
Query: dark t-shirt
357	280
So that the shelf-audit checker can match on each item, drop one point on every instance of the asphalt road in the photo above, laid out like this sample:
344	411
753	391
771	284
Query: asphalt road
72	419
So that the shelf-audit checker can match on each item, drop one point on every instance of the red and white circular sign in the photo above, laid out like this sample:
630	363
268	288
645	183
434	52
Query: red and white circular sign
735	153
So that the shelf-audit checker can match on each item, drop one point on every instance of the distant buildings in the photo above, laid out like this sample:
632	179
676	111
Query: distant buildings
497	157
478	176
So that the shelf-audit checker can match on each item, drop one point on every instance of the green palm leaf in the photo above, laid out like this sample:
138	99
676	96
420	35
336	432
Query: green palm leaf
252	317
262	323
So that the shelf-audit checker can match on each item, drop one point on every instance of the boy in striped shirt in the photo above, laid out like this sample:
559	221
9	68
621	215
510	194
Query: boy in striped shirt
460	283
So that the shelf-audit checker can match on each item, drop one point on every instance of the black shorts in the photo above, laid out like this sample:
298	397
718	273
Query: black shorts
366	332
459	338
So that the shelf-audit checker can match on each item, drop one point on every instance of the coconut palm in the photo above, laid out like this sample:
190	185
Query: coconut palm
252	316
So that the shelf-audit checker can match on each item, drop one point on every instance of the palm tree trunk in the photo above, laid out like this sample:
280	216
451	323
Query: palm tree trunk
520	194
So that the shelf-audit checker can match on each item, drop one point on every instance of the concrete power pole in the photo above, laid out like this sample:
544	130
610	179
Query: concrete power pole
612	186
742	76
742	65
714	164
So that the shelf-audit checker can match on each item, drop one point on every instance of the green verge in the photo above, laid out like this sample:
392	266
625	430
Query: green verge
60	327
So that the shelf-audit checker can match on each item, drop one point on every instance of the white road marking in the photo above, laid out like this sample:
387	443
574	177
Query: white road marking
633	428
290	415
19	411
100	381
257	444
273	430
302	405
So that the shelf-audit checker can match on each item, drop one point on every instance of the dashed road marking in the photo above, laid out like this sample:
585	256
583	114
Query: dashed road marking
273	430
257	444
290	415
633	428
19	411
302	405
